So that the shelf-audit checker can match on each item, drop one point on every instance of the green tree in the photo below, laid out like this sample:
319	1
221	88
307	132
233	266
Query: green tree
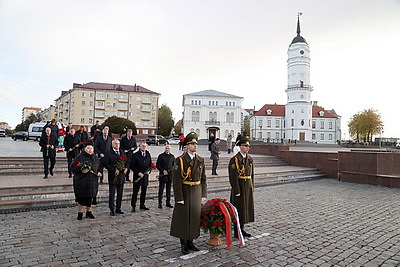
246	126
365	124
165	120
178	127
25	124
119	125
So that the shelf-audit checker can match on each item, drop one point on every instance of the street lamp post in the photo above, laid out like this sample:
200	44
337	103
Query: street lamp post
261	136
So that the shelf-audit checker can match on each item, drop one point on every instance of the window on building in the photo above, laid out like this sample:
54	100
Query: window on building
154	99
138	106
226	103
122	113
83	94
322	137
314	124
138	97
192	129
192	102
107	113
82	120
83	103
195	116
268	123
123	97
108	96
330	125
90	120
226	133
330	137
209	103
198	132
153	132
83	112
322	125
212	116
123	105
114	105
153	107
199	102
145	131
277	123
216	103
99	112
99	103
233	103
90	111
91	103
230	117
91	94
268	134
292	122
313	136
100	95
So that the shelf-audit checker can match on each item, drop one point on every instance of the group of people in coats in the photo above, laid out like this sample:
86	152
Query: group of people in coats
185	174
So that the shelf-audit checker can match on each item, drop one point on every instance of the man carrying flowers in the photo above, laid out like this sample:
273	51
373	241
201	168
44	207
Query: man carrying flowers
116	164
190	187
241	178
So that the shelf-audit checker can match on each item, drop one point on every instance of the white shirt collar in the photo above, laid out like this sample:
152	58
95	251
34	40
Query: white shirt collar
243	155
191	156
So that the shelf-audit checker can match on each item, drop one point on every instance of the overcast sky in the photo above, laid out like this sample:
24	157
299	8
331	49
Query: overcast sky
177	47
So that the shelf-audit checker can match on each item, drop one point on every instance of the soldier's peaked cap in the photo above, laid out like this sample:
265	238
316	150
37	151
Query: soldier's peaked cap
191	138
244	140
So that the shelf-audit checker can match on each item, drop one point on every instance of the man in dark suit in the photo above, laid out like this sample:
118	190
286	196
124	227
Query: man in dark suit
128	145
116	164
101	147
48	143
215	156
71	145
141	167
164	164
96	130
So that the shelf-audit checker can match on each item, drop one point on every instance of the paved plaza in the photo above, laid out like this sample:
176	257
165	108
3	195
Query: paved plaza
314	223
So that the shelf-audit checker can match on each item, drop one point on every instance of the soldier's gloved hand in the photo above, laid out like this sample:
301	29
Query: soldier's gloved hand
180	202
237	195
203	199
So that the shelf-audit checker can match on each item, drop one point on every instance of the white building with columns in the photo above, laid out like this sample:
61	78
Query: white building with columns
300	119
212	112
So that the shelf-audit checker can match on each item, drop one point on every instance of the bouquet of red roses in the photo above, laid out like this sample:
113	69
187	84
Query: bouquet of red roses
81	166
120	166
219	217
152	166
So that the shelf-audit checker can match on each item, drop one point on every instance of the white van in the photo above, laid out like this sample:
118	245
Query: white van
35	130
2	133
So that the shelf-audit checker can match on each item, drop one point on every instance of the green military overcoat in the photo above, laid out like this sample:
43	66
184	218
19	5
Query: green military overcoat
186	217
245	187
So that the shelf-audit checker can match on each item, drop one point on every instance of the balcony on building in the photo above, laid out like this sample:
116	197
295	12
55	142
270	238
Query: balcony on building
212	123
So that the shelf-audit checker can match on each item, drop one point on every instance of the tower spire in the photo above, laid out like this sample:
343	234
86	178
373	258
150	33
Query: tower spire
298	23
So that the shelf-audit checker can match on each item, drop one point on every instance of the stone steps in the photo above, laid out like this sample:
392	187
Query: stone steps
41	197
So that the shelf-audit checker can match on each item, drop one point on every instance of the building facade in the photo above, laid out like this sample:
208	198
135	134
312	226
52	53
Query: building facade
47	114
26	111
300	119
86	103
212	112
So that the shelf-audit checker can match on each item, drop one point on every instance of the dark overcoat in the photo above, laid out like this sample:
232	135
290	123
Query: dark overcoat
110	163
127	144
69	142
245	187
86	184
140	164
186	218
214	151
165	162
102	146
83	136
44	141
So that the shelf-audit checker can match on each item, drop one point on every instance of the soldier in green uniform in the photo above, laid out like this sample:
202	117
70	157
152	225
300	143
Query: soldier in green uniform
189	183
241	178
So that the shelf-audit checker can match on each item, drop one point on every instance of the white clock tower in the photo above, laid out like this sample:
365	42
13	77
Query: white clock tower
299	107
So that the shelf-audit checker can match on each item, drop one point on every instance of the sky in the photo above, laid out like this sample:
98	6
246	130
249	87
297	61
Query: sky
177	47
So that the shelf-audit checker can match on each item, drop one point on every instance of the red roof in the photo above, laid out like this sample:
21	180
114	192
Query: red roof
276	110
279	111
116	87
37	109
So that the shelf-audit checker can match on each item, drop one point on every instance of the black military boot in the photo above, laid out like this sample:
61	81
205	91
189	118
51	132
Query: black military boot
191	246
184	246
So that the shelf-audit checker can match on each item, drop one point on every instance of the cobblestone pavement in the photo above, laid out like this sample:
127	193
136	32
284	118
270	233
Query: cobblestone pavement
315	223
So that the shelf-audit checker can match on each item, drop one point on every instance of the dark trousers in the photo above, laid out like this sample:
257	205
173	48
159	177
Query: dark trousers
214	166
167	192
112	188
142	195
70	159
46	164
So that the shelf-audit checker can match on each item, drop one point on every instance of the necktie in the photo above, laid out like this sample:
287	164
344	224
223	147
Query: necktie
143	154
116	151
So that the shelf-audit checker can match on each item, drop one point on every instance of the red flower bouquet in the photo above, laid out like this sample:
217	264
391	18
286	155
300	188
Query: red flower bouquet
82	166
121	162
219	217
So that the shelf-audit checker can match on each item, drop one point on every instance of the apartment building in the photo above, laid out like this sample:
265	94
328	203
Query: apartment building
26	111
86	103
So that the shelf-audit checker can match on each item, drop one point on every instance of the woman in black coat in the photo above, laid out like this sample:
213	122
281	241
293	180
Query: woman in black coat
83	136
86	179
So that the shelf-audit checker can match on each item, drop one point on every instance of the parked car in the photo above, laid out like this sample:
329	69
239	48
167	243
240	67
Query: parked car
20	135
173	141
156	139
35	130
2	133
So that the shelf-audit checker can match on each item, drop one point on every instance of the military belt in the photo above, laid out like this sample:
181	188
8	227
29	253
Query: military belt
244	177
191	183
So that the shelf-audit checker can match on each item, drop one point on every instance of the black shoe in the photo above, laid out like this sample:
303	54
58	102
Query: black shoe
159	206
169	206
80	215
184	247
119	212
51	172
112	213
144	208
101	181
45	177
89	215
70	176
133	209
191	246
245	234
127	180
